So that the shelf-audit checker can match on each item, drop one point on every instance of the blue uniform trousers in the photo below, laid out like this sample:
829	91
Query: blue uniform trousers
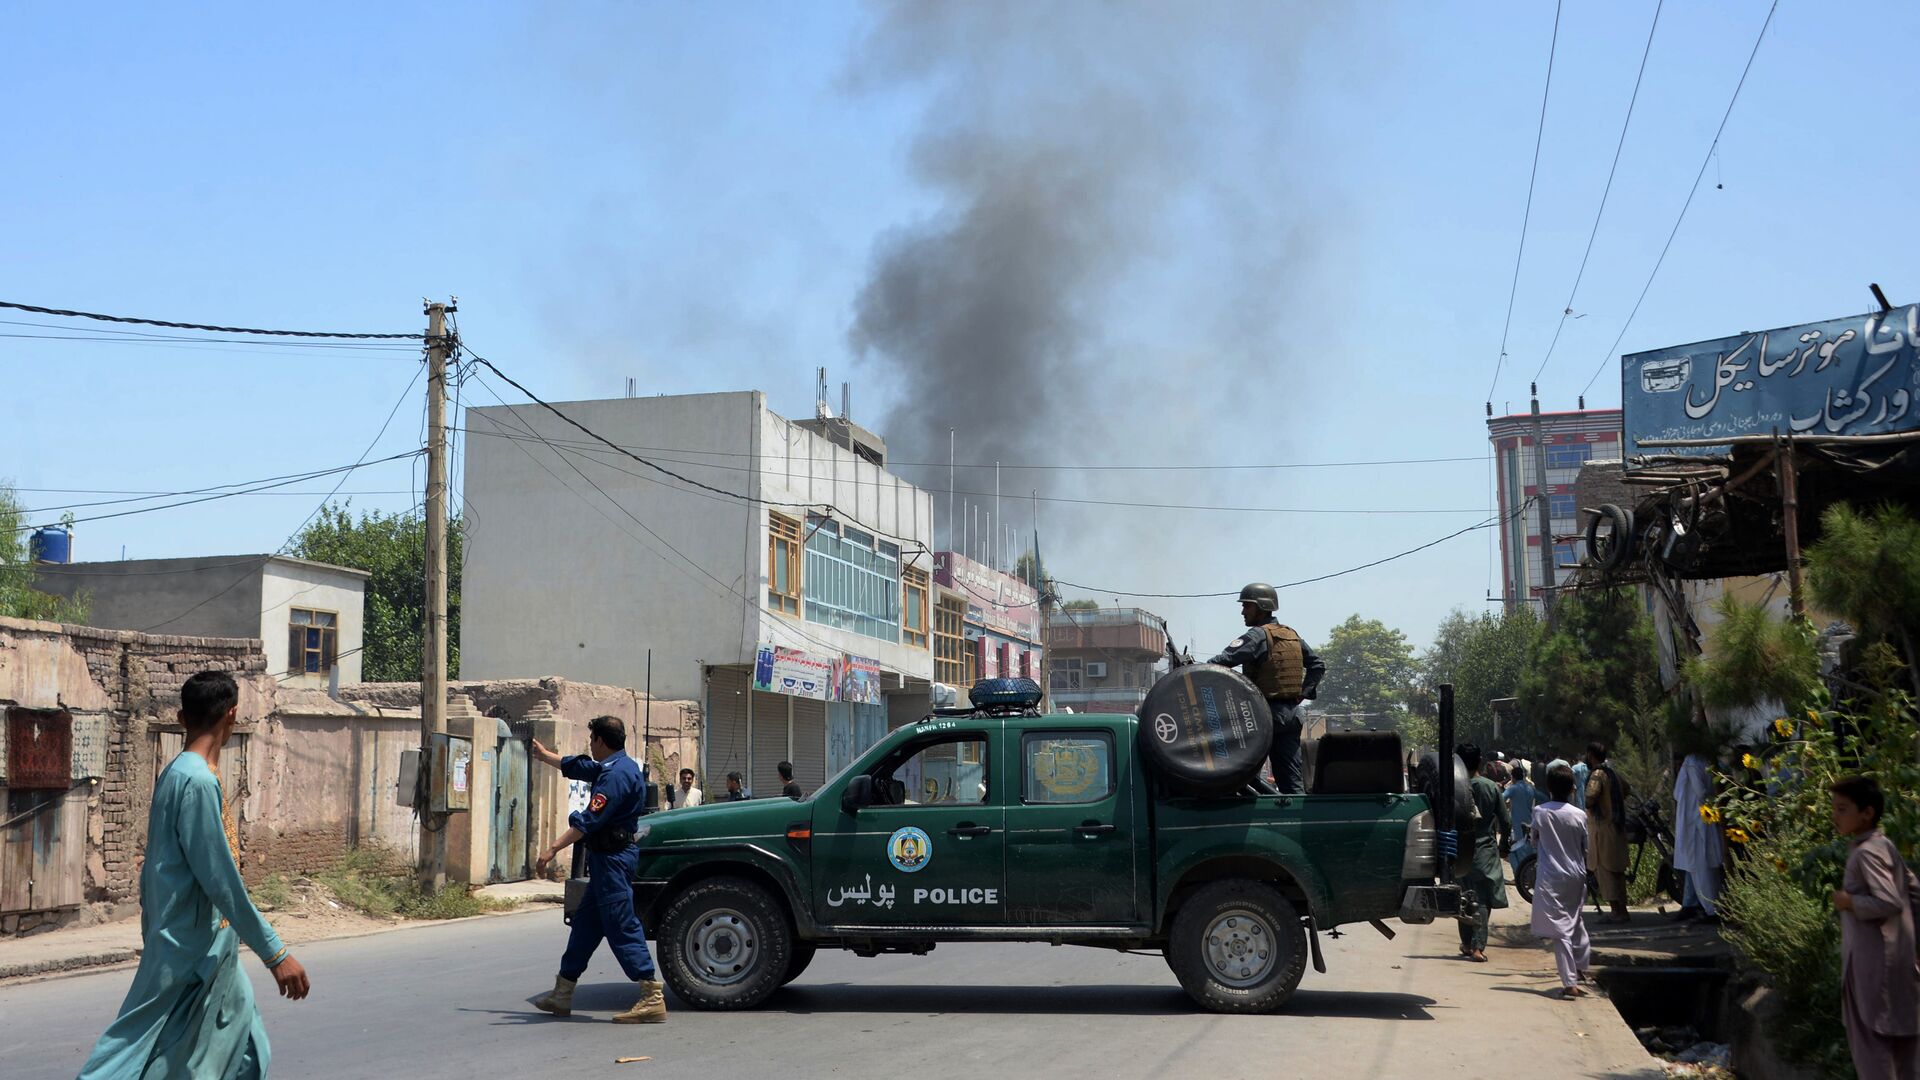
607	912
1285	754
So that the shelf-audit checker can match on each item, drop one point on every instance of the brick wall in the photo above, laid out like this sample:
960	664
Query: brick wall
134	680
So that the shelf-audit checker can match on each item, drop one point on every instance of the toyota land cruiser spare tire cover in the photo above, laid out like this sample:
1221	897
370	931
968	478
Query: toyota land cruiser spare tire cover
1206	729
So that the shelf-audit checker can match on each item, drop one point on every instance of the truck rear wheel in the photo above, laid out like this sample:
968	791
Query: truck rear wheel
1237	946
725	944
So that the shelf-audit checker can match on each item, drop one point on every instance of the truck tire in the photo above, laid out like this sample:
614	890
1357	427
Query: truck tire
725	944
797	960
1205	729
1237	946
1612	551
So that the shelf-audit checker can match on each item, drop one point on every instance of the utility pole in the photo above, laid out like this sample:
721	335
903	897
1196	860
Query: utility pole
1790	521
433	674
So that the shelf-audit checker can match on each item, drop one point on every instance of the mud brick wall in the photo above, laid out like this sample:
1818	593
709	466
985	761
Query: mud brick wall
133	679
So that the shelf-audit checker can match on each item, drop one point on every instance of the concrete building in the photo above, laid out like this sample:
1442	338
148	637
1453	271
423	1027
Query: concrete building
1571	439
308	616
777	571
987	624
1103	660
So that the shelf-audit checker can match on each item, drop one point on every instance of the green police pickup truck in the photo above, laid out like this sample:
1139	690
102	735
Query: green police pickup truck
1002	824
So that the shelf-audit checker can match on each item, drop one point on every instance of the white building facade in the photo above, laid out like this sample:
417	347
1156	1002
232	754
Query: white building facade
780	575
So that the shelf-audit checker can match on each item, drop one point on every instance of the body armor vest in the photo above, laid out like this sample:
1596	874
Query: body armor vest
1284	672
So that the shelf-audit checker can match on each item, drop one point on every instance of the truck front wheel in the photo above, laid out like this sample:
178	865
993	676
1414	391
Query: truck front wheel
1238	947
725	944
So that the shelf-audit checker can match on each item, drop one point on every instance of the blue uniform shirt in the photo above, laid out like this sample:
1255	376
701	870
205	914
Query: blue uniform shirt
618	792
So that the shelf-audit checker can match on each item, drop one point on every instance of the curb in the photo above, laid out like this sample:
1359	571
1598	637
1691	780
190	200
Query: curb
63	964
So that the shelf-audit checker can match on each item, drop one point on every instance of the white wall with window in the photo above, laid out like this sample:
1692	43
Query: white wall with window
312	622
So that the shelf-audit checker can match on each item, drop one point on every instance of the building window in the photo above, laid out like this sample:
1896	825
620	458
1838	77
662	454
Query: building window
783	564
853	580
950	641
913	624
1562	505
1568	455
313	640
1065	674
1565	555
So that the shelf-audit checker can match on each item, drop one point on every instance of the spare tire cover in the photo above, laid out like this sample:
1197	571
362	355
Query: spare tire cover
1206	729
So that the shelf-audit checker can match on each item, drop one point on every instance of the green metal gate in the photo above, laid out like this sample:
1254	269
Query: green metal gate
510	795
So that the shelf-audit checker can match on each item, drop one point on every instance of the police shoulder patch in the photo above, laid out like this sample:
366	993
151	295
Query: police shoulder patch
597	803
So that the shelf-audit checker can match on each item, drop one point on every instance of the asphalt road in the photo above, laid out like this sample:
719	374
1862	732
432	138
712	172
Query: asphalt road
452	1000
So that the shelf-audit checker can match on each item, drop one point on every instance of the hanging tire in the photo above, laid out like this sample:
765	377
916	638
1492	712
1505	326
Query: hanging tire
725	944
797	960
1611	552
1237	946
1205	729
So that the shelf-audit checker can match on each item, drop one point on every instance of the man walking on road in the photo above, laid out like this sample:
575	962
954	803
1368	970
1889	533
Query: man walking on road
1560	880
607	828
788	786
1487	835
1286	672
190	1011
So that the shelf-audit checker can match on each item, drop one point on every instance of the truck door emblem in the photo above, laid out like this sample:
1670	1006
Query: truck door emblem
909	850
1165	728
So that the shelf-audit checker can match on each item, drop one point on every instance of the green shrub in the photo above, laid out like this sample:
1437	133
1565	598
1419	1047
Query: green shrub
271	893
368	881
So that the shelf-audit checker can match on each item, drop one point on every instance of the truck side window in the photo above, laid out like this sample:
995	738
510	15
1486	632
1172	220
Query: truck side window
948	773
1066	768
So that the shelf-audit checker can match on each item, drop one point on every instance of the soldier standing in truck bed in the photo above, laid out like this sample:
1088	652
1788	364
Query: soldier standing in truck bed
1286	672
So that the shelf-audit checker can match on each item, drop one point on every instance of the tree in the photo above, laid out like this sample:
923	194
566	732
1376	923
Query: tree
392	548
1081	605
1867	568
1370	670
1483	656
18	598
1592	675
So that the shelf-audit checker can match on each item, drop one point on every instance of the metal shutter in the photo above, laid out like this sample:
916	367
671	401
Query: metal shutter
726	736
769	742
809	743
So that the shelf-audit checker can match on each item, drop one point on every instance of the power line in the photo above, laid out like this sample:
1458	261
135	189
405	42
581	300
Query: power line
64	313
1526	217
1704	162
1005	466
1490	523
342	470
1131	504
1567	311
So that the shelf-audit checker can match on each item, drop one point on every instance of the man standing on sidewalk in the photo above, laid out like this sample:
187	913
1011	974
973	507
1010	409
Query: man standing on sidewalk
607	827
1607	830
190	1011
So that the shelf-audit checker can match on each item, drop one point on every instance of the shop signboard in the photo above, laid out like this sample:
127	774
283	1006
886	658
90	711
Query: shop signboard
790	671
859	680
1854	376
998	601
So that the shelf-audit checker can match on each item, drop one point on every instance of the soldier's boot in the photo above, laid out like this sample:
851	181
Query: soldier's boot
650	1009
560	1001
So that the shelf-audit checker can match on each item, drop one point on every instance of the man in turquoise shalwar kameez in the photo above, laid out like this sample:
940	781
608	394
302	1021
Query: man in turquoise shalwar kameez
190	1011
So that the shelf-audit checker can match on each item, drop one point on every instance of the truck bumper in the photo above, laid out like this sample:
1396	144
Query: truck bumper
1423	904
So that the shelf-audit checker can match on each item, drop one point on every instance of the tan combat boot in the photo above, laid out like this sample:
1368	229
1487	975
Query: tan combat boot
650	1009
560	1001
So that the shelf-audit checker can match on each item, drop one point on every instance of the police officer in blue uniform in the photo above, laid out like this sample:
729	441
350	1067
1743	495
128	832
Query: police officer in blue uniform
606	828
1285	670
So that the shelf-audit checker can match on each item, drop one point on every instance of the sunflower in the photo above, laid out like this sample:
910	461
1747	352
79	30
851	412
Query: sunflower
1709	813
1813	717
1782	728
1780	864
1750	762
1738	836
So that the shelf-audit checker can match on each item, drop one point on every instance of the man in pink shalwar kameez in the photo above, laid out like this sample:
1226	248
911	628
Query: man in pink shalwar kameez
1880	996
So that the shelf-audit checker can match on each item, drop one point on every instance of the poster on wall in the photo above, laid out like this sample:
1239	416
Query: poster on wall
789	671
859	680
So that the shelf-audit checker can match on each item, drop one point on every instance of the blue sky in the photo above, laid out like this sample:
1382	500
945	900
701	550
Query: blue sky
693	196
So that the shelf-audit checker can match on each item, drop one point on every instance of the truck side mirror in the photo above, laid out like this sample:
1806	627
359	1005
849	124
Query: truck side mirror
858	793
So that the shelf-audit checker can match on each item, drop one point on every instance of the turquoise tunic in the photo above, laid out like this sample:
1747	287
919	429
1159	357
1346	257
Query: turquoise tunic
190	1011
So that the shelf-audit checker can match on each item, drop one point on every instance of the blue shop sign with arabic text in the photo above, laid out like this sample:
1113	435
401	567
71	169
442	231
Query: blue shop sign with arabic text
1853	376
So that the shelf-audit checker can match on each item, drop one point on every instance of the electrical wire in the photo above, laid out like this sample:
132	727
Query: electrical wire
341	470
65	313
1130	504
1712	147
1526	217
1567	311
1491	523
